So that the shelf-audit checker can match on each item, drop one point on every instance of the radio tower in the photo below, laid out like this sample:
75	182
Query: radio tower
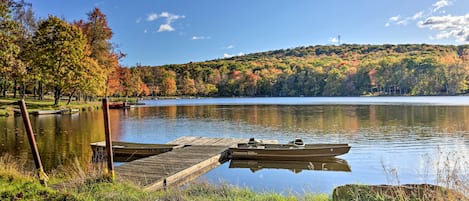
338	38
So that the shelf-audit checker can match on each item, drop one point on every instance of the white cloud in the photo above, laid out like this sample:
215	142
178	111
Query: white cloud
168	18
417	15
200	37
152	17
448	26
403	22
333	40
164	14
229	47
226	55
398	20
440	4
165	27
394	18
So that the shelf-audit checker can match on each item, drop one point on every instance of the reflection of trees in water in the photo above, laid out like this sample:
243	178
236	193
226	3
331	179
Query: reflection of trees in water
60	138
328	119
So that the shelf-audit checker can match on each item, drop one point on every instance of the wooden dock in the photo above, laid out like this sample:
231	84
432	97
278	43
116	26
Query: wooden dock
177	167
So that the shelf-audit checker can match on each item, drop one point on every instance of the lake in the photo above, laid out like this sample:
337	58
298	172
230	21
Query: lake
394	139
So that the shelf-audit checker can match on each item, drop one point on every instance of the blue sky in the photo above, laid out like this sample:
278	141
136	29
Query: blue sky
158	32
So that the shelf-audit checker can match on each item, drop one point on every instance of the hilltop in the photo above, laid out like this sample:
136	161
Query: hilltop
345	70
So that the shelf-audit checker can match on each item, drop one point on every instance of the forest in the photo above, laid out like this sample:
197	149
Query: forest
345	70
77	60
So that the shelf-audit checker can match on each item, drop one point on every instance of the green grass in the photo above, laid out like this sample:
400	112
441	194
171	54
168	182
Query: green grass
8	104
14	186
77	184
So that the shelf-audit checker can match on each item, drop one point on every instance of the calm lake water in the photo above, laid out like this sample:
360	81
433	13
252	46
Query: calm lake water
394	139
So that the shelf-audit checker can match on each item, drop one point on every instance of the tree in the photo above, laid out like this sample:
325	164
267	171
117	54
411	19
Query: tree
58	52
98	35
24	16
250	84
9	50
168	83
90	79
334	82
188	86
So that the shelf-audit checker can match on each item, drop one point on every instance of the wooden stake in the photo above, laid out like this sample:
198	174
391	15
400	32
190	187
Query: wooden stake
32	142
107	132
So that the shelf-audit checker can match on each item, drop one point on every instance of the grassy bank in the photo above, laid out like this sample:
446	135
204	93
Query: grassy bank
76	183
19	184
7	105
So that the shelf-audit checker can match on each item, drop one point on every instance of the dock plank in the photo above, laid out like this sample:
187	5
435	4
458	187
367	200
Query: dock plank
157	172
200	155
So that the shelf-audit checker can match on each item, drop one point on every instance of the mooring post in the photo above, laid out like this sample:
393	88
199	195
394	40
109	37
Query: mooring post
107	132
32	142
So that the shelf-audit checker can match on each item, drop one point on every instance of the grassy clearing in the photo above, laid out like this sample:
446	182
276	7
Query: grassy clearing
7	105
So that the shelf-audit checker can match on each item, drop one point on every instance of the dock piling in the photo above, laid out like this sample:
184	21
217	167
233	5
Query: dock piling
32	142
107	132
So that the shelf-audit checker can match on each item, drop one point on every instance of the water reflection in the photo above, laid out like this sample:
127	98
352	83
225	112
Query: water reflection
318	164
318	123
61	139
407	138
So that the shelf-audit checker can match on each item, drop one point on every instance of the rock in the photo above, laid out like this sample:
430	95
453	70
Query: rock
415	192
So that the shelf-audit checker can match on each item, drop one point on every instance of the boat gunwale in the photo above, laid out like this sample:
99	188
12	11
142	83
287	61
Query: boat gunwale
288	147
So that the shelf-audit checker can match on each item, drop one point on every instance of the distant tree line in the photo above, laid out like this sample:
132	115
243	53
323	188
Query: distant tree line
346	70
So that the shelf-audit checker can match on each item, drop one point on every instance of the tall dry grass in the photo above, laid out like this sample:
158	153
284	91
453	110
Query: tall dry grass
446	177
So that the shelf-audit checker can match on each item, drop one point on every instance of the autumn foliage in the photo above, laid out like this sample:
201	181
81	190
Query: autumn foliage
66	59
345	70
78	60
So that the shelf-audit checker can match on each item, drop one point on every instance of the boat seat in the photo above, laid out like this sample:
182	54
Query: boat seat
253	141
298	142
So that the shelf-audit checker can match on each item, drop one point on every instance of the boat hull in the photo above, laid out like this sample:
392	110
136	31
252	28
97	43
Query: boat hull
46	112
318	164
288	152
123	105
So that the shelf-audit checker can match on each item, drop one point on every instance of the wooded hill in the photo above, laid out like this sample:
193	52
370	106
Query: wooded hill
345	70
77	59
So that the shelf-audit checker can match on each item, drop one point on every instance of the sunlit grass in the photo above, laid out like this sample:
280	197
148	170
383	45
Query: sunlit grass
9	104
78	183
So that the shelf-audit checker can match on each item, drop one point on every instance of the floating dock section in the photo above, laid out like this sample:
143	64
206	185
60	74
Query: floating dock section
177	167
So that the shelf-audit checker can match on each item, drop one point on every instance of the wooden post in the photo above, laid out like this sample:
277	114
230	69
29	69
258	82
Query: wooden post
107	132
32	142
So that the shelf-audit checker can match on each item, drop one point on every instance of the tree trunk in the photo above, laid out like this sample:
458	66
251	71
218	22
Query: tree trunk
4	88
70	97
39	90
23	90
34	90
14	89
57	94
